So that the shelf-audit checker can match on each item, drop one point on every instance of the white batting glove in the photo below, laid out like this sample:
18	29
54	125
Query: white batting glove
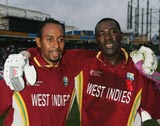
148	59
14	67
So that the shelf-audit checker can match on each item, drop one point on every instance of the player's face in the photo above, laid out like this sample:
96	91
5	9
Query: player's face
108	38
51	43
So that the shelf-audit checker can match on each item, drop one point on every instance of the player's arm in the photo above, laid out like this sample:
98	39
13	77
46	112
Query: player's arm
19	65
150	101
146	62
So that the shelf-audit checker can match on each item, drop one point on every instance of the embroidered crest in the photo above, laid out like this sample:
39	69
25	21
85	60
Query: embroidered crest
65	81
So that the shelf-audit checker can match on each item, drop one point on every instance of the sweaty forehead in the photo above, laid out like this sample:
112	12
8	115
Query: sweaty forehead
106	25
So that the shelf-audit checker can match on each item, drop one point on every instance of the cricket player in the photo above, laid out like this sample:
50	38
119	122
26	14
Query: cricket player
48	102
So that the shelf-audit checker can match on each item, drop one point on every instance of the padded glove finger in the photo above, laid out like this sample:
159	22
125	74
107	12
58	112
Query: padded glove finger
30	74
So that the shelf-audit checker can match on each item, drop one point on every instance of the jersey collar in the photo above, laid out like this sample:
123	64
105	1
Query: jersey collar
99	56
40	62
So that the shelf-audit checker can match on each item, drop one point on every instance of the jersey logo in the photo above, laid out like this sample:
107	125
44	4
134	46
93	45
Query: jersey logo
65	81
95	73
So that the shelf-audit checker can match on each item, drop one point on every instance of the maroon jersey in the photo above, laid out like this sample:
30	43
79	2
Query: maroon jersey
107	95
112	95
47	103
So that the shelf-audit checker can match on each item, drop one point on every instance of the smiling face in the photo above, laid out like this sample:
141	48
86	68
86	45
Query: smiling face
51	43
108	38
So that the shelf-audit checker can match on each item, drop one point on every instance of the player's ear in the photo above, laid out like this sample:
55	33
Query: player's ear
38	41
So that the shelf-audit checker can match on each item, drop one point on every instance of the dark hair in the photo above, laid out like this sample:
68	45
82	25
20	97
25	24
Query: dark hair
108	19
47	21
